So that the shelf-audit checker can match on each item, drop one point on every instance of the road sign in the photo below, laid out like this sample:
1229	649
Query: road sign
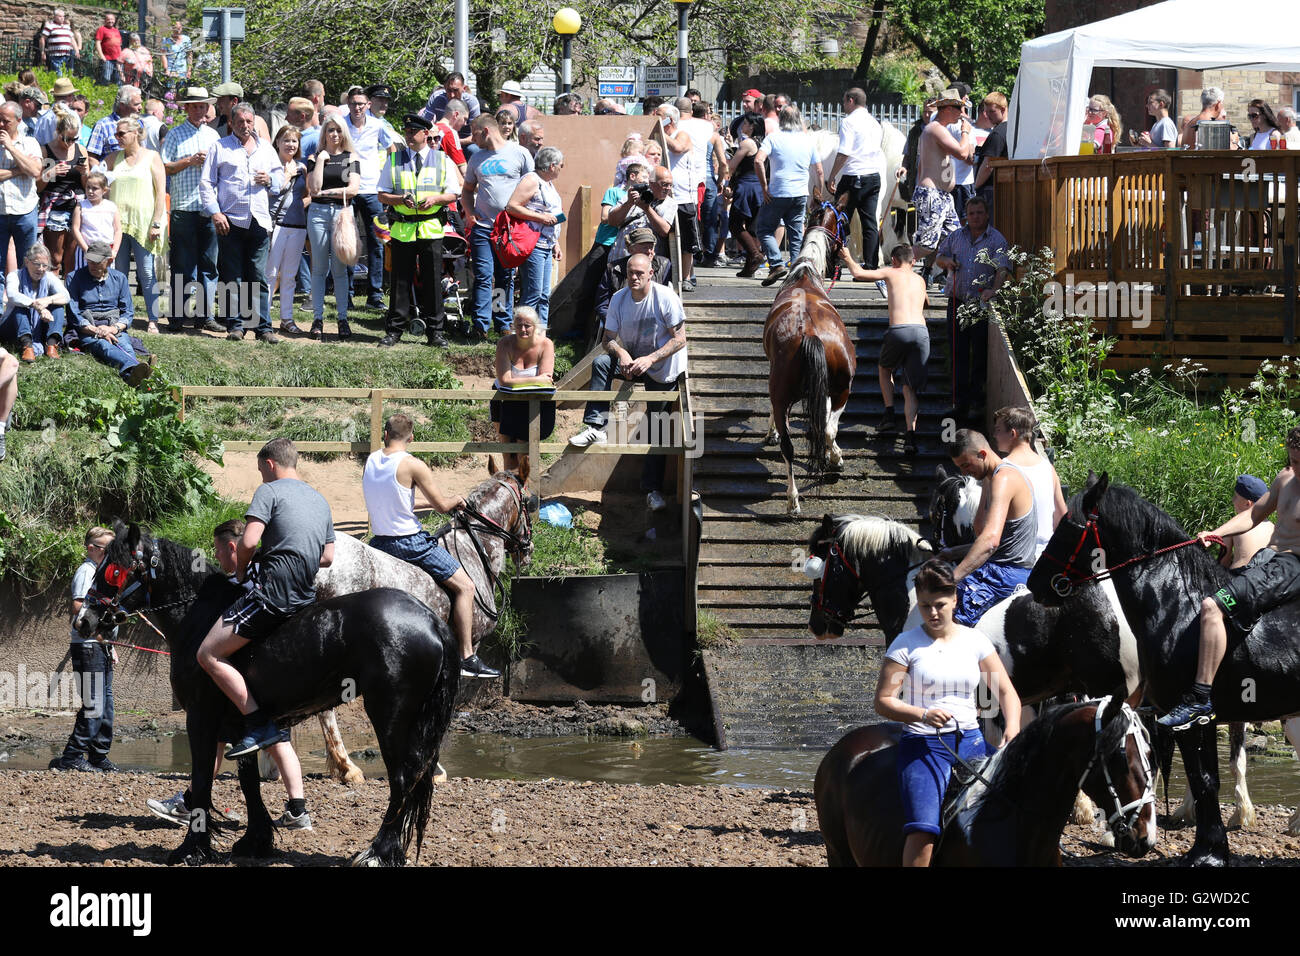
212	23
617	74
616	89
666	75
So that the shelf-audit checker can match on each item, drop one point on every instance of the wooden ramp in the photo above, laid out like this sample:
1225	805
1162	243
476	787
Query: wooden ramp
777	685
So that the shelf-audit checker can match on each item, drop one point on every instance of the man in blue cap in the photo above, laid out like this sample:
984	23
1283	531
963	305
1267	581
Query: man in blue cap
1271	578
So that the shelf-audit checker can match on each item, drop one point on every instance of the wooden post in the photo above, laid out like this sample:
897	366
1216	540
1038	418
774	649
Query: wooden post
1173	243
376	419
534	440
180	397
1289	246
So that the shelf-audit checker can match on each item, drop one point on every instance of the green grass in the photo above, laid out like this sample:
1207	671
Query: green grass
711	631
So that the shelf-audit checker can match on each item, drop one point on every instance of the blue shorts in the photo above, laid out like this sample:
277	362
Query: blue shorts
421	550
984	587
924	766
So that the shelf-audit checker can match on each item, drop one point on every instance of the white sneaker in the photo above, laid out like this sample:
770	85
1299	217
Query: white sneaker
655	501
591	435
884	289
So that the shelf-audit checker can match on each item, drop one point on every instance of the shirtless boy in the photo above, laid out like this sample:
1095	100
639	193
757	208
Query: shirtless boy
936	215
905	349
1272	578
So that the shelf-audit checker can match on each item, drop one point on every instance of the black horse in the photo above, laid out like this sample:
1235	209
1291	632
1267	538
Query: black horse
1259	679
1018	818
381	644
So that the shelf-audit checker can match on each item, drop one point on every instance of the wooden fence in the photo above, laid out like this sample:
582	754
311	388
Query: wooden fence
1187	254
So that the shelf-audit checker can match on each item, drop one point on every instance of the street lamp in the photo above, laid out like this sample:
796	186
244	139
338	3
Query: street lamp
683	11
567	22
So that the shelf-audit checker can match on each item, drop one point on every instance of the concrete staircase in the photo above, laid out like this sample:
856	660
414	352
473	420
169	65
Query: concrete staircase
777	685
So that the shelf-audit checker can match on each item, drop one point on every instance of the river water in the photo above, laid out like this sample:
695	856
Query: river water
676	760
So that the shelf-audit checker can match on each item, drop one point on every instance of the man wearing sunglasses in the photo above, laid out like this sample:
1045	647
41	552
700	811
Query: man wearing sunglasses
373	141
92	664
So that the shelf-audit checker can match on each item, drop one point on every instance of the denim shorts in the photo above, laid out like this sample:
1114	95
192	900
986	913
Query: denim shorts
58	221
421	550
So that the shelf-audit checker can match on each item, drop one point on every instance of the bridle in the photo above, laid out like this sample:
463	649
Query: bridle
841	226
1130	812
1064	581
826	569
474	523
126	581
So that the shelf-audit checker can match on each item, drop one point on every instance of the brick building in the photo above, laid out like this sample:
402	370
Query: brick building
1130	88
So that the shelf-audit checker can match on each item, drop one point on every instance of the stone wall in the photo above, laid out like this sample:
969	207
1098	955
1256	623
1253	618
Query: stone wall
21	21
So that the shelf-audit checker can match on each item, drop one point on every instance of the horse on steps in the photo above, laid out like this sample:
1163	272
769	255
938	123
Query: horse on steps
809	352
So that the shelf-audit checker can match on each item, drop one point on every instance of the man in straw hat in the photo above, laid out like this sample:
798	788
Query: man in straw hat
511	95
193	254
63	92
936	216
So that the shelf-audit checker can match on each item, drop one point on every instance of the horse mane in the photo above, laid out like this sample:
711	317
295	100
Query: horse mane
814	256
1007	770
1148	528
867	536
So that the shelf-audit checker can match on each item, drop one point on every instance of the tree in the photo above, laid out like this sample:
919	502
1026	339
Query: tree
405	45
975	41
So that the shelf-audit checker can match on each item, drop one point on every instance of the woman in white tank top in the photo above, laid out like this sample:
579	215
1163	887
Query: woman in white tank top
525	360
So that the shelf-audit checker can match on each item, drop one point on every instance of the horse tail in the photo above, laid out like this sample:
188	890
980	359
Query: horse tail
816	396
431	723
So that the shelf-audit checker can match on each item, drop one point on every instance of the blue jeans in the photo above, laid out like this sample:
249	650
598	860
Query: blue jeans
110	72
489	309
23	324
143	271
193	258
320	233
709	215
117	355
92	734
22	230
365	208
779	209
603	372
535	282
60	64
241	263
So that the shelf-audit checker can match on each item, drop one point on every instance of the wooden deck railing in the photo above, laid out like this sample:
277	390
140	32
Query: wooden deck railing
1210	237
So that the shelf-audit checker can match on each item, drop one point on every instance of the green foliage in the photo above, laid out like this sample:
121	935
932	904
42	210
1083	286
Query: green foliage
564	552
977	41
1162	432
711	631
99	99
902	75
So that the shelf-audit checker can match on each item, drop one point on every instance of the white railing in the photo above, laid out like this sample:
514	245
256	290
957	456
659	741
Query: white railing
828	115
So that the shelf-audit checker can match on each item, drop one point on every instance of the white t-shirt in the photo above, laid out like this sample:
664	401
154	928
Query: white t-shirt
860	141
1164	131
370	143
700	131
81	582
648	325
941	674
18	194
962	171
97	220
1292	137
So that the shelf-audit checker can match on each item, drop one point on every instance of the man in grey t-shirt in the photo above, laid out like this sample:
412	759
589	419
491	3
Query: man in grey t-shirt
292	523
491	176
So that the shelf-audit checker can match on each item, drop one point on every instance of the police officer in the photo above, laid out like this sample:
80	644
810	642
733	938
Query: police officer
417	183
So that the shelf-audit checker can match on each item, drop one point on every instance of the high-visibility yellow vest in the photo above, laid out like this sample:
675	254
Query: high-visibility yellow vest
405	223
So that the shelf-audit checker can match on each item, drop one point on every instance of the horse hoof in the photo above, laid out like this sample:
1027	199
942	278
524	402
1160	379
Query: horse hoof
770	438
354	777
257	847
440	775
1244	817
191	855
1107	839
1208	858
793	510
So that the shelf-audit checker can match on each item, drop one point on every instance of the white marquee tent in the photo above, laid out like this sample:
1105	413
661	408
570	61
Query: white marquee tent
1051	91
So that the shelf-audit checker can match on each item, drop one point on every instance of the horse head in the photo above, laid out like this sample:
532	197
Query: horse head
853	555
953	504
1074	553
1120	776
501	505
122	580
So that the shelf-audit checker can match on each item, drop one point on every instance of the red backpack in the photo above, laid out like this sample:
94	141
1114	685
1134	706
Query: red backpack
513	240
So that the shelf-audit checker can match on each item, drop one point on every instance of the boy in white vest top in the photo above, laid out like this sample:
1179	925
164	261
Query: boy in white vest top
389	484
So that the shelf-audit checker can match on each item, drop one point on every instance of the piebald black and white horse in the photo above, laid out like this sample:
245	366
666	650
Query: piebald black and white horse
1259	678
1018	817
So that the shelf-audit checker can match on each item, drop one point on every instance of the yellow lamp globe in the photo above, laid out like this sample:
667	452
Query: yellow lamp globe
567	21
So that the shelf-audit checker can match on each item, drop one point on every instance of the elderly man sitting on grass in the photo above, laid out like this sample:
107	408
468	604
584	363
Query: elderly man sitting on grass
100	302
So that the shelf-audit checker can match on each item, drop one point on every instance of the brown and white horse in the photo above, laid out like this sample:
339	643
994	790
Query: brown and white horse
809	353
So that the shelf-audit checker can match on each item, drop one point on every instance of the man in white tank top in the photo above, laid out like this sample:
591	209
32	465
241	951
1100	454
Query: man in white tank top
389	484
1013	433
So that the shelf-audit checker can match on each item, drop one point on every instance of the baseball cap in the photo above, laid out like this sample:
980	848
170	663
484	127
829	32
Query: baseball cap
1250	487
754	93
228	89
98	251
640	235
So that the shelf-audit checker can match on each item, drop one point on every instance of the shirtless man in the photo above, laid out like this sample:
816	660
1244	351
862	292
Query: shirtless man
1002	555
936	216
1013	431
389	483
1242	547
1271	578
905	349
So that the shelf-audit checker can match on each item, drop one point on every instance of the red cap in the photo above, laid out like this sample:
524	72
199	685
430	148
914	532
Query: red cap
754	93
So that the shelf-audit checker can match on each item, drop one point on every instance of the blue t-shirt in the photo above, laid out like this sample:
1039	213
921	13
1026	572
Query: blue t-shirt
605	233
793	154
